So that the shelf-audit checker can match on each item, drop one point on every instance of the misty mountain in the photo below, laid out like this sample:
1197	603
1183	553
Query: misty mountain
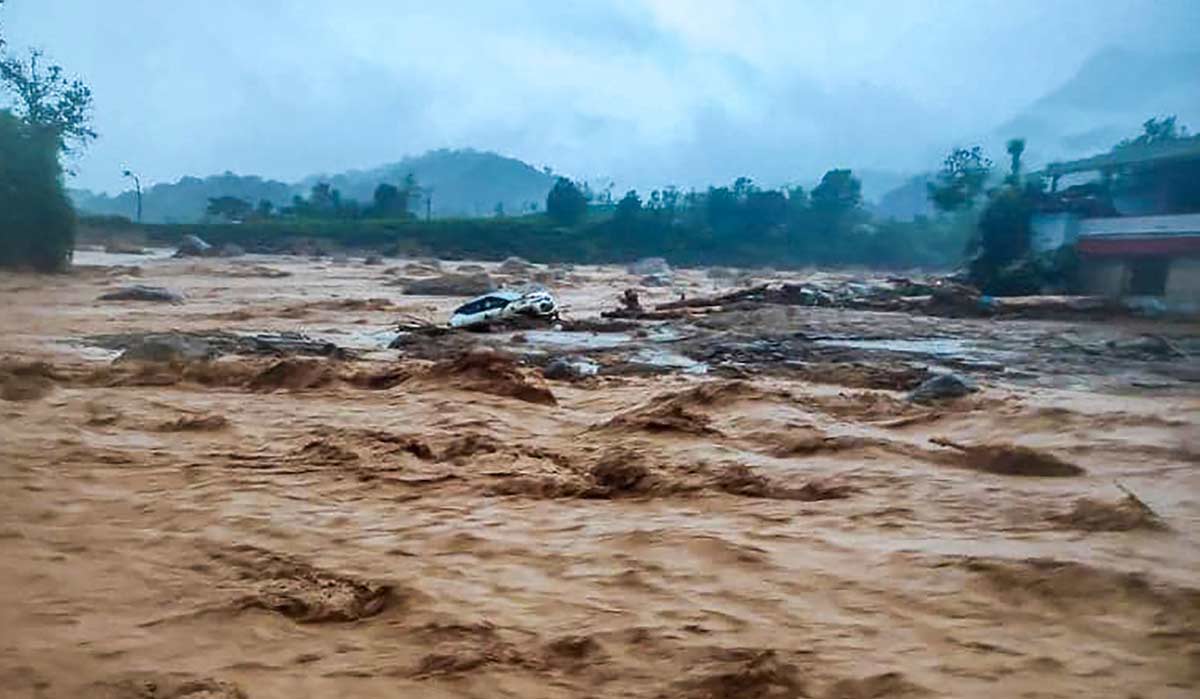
1107	100
463	183
183	201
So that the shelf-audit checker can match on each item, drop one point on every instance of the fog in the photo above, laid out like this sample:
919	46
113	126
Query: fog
645	92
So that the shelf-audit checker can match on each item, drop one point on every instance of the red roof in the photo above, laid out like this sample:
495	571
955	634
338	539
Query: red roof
1100	246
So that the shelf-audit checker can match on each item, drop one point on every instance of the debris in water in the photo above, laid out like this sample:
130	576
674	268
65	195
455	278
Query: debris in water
140	292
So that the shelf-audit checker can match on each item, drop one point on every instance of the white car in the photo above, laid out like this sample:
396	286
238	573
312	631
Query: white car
505	303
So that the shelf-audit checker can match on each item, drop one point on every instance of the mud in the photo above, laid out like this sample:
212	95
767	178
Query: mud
435	519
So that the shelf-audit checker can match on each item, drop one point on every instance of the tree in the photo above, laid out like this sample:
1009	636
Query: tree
838	193
44	97
961	180
1154	131
37	223
389	201
566	202
264	209
628	208
229	208
1015	148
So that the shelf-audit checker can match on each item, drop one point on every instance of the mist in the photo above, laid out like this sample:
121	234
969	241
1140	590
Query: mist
642	93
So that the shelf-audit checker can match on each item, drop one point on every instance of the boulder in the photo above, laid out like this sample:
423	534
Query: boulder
649	266
569	369
231	250
514	265
942	387
373	259
139	292
655	280
168	347
451	285
194	246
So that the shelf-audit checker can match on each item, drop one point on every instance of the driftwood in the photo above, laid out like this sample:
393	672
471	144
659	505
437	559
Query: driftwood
755	293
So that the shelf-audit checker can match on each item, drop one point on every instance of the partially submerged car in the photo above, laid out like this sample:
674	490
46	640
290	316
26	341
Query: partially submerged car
505	303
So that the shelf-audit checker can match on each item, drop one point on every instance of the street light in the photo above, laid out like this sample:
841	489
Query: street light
138	188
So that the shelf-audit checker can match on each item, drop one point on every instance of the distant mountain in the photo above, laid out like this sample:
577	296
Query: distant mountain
462	182
907	201
1107	100
183	201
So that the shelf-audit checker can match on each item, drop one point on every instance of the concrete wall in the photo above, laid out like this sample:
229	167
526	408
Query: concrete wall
1052	231
1183	283
1103	276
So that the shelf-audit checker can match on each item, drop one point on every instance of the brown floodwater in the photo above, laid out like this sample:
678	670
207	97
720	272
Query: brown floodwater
460	527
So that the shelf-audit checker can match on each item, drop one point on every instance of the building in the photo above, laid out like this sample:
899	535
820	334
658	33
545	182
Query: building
1136	227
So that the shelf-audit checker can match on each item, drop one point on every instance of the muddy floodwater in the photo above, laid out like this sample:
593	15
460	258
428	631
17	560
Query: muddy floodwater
739	503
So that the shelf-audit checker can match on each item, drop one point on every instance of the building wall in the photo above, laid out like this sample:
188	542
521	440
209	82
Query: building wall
1052	231
1103	276
1183	283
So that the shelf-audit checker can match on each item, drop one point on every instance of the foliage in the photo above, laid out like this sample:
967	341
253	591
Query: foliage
566	202
1015	148
44	96
37	223
1155	130
961	180
229	208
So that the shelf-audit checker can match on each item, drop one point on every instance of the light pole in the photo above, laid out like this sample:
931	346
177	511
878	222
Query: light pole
137	184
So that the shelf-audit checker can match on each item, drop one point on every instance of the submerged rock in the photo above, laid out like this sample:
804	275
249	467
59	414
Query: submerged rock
451	285
942	387
168	347
515	265
194	246
649	266
569	369
140	292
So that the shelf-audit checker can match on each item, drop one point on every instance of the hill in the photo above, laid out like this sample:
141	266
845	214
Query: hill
462	182
1106	100
183	201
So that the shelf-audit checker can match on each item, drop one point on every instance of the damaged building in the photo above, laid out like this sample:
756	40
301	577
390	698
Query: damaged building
1135	224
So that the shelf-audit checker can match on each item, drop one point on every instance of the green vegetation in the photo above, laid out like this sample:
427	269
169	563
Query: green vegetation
37	223
49	116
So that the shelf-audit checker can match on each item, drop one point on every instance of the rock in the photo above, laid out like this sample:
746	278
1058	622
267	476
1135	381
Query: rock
139	292
569	369
655	280
649	266
942	387
124	247
422	269
231	250
193	246
373	259
451	285
515	265
1144	347
339	258
469	269
168	347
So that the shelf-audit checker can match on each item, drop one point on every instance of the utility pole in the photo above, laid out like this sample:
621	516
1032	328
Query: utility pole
137	184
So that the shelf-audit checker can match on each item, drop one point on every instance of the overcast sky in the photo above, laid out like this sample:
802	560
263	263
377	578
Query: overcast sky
646	91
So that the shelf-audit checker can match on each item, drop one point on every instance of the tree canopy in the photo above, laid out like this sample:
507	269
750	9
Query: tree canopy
566	203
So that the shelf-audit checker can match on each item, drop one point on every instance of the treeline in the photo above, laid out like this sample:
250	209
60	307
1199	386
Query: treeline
744	224
323	202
